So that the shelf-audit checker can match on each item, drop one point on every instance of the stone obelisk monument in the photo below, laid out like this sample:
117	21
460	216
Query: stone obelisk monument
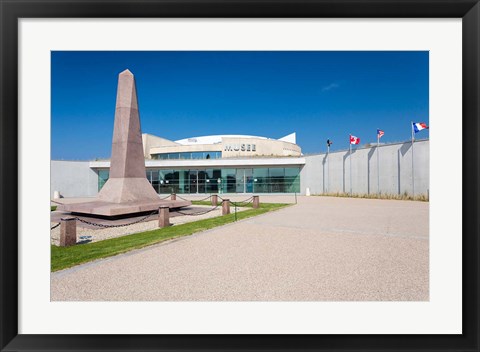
127	190
127	181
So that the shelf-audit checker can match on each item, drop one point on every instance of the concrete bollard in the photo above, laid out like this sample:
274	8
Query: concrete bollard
163	216
226	207
174	196
214	200
256	201
68	232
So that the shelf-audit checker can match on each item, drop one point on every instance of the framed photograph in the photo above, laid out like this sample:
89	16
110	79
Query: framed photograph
323	154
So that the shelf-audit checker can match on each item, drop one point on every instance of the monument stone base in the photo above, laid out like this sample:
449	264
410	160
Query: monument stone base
121	190
102	208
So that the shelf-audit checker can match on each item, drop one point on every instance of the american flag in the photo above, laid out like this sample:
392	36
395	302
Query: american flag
380	133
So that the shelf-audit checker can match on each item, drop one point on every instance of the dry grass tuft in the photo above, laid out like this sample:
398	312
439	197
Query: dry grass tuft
404	196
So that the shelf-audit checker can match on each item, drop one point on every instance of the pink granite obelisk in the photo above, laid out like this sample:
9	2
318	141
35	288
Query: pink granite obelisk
127	181
127	190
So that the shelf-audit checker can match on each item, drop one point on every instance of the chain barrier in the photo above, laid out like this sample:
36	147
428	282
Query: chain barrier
248	200
197	213
201	200
236	204
244	202
182	198
166	197
194	200
120	225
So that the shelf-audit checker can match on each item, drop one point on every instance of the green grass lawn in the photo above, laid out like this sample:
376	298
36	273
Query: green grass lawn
207	202
65	257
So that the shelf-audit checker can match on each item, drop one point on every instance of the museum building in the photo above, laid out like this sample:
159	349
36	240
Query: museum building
218	164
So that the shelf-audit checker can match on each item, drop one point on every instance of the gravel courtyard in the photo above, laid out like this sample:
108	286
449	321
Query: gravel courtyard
321	249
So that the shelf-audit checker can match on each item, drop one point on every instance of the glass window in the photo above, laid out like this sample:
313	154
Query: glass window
167	180
248	180
209	174
257	180
163	174
228	184
292	172
292	179
260	172
239	181
188	155
217	173
276	178
211	180
197	155
103	176
202	175
154	180
276	172
260	180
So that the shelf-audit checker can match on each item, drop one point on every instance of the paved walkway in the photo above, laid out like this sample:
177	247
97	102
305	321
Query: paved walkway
322	249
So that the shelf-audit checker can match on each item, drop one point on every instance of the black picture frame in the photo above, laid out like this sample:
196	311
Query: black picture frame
11	11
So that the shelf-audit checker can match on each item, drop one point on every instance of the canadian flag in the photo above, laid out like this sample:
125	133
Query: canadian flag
354	140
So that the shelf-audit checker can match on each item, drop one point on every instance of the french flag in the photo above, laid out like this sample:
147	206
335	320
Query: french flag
418	126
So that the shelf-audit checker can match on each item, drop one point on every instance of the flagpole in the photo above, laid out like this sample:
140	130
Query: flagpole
413	169
350	141
378	163
328	167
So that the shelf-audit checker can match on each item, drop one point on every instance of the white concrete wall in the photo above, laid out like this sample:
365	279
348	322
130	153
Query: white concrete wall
395	170
149	141
73	179
77	179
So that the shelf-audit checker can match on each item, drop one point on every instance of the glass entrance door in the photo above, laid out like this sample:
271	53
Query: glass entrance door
201	181
193	181
239	181
248	180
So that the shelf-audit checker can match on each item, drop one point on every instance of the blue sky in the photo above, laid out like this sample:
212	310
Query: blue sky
317	94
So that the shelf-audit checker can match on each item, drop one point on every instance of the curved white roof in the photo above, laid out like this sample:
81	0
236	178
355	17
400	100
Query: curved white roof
212	139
